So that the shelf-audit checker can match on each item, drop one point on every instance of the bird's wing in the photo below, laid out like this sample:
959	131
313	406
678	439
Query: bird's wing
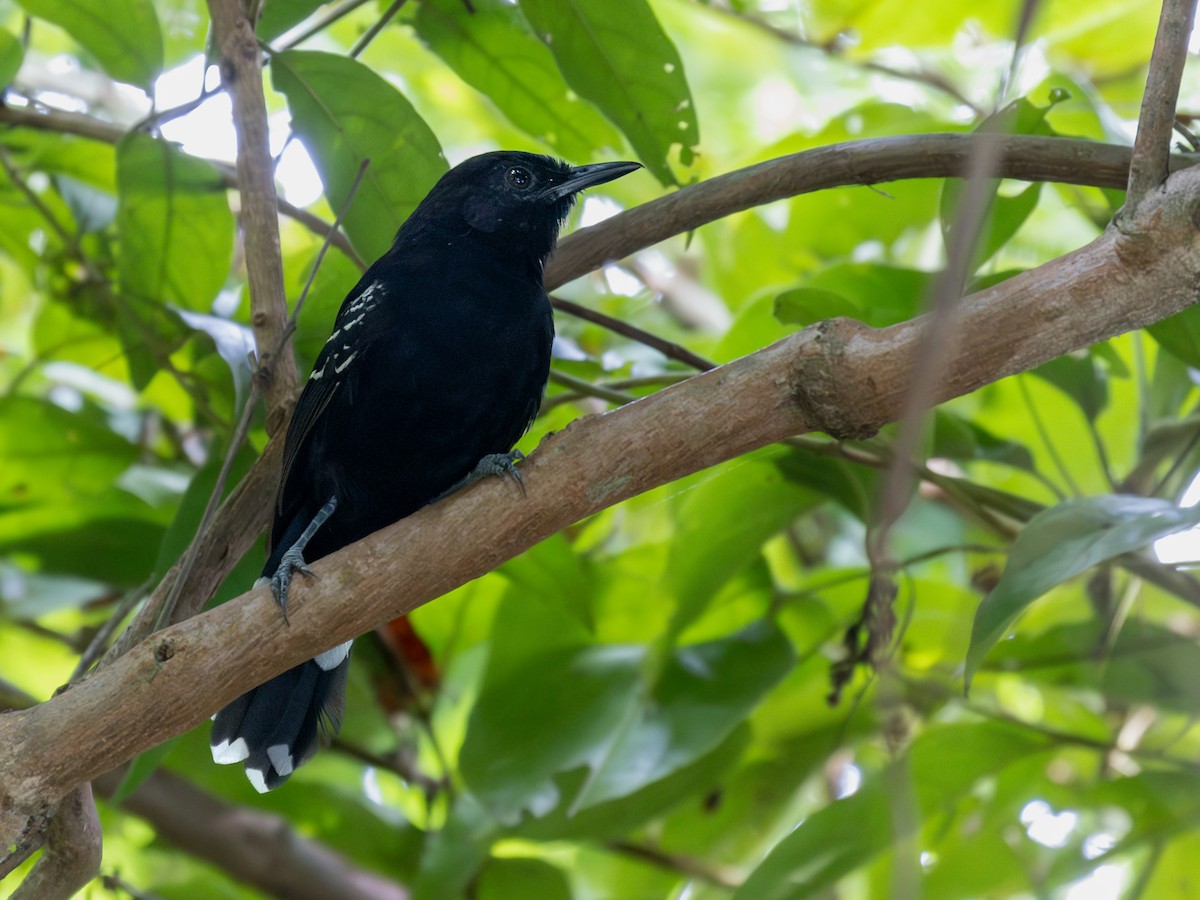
313	401
350	341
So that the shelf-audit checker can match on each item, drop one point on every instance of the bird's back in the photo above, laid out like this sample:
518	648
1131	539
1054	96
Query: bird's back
443	364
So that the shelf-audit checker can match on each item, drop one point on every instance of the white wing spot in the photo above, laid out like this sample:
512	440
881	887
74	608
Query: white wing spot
332	336
349	359
362	299
317	374
362	315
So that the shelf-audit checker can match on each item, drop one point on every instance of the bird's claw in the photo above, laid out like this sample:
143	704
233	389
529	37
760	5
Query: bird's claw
492	464
292	562
502	464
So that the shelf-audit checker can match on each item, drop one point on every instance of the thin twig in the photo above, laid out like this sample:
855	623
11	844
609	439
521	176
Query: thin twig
589	389
667	348
156	120
333	229
371	33
210	509
43	118
666	379
834	50
99	642
676	862
1043	432
320	24
936	347
1152	146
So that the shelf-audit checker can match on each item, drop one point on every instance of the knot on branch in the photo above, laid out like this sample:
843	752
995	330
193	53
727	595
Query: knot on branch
827	389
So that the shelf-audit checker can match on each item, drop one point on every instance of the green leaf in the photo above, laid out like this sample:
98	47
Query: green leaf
806	305
280	15
824	847
1179	335
175	224
721	525
884	294
520	879
11	56
943	765
957	438
703	692
1005	214
48	455
123	35
629	68
140	768
1062	542
588	707
1078	376
492	49
554	573
346	114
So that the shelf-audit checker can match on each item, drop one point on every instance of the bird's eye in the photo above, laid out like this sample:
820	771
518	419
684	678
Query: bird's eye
519	177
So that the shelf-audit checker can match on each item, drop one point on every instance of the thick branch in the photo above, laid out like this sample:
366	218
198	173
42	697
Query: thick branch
258	848
838	376
241	73
72	852
864	162
239	521
1152	146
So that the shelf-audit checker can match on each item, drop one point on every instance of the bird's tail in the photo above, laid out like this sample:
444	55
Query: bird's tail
273	728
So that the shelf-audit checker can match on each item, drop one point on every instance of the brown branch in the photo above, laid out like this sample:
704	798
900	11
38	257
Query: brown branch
241	74
239	521
1152	146
258	848
864	162
72	851
839	376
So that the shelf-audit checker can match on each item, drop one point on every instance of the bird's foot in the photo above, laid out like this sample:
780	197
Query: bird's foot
504	464
291	563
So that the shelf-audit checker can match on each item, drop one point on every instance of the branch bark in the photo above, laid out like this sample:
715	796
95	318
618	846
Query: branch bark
1152	146
72	852
839	376
241	73
864	162
260	849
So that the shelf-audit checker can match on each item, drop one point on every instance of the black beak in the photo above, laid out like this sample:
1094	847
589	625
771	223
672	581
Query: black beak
582	177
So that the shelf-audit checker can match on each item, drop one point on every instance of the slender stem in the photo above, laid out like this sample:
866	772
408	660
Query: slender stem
669	349
210	509
333	229
371	33
1044	433
320	24
1152	146
589	389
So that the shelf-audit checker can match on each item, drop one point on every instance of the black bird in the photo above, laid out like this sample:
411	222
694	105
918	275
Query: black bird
436	366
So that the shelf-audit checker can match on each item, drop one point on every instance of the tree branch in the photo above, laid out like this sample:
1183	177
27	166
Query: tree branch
241	73
72	852
838	376
1152	146
258	848
863	162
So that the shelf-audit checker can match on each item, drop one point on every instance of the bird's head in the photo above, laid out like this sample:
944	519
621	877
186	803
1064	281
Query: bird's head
518	199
